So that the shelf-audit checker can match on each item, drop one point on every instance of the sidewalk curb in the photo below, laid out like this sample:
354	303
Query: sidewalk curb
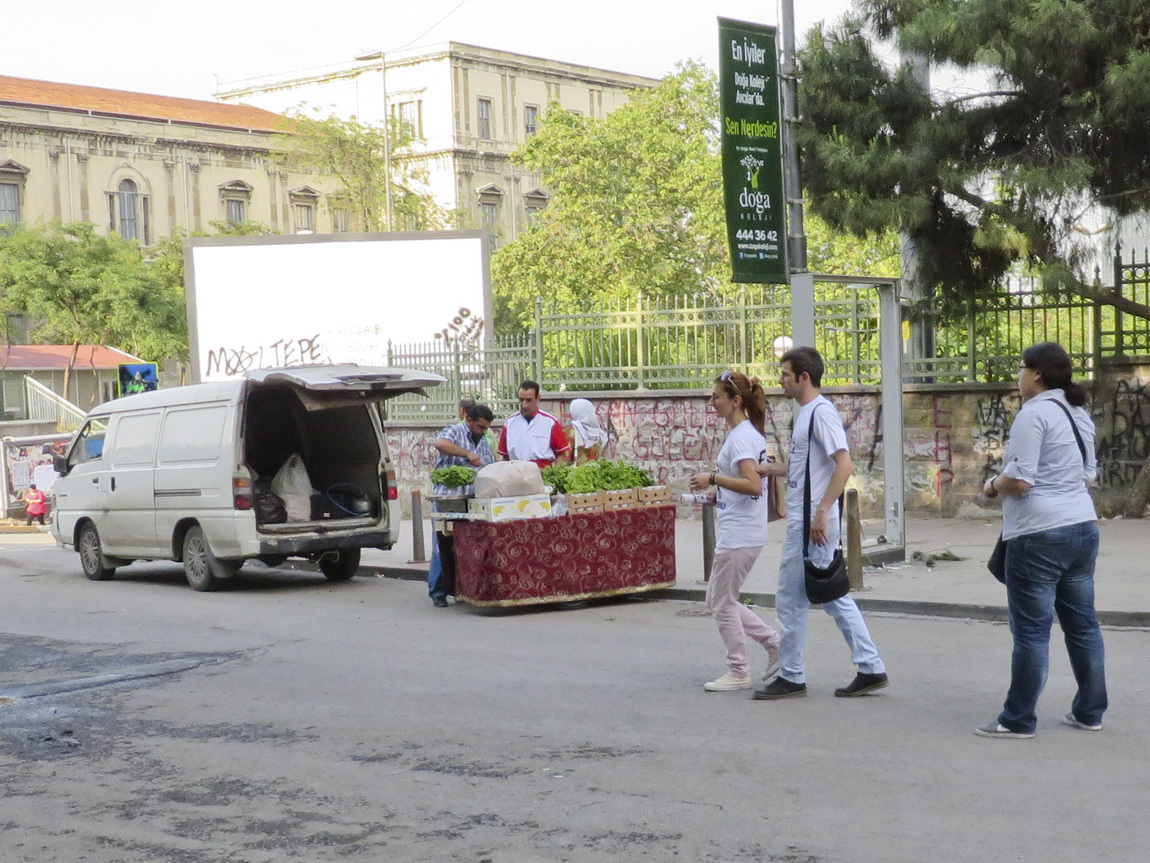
919	608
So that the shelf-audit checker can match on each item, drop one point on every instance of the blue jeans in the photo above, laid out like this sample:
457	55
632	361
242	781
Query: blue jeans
439	583
1051	572
793	608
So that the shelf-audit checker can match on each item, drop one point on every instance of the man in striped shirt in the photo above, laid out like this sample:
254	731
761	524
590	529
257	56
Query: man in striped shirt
464	444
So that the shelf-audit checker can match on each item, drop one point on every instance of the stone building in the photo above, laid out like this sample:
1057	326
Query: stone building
470	107
144	165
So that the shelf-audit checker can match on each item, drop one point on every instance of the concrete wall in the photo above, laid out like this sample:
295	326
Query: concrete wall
954	436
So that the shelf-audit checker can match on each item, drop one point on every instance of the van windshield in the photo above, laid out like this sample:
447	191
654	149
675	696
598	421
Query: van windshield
89	445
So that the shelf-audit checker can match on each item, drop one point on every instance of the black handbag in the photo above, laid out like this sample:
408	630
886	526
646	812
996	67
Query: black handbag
823	583
997	562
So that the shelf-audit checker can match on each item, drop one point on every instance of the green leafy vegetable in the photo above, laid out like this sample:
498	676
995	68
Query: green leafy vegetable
556	476
453	477
605	476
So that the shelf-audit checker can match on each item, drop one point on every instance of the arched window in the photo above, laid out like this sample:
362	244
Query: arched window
128	213
128	200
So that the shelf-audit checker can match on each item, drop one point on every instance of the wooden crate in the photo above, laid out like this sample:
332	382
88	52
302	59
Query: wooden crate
591	501
654	495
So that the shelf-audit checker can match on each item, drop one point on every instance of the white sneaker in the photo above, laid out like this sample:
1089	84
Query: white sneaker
773	664
728	683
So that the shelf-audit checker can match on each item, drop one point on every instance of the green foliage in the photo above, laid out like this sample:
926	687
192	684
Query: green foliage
356	155
83	288
453	477
605	475
556	476
984	182
637	206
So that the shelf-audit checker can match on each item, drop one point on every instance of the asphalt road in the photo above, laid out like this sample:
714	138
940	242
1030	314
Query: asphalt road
294	719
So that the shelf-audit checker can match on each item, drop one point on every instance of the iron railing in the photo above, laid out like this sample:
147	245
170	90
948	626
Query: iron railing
669	343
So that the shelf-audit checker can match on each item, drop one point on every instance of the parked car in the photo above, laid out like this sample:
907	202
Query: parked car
185	473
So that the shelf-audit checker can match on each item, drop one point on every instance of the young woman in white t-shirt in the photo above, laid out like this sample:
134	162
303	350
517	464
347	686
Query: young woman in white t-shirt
741	506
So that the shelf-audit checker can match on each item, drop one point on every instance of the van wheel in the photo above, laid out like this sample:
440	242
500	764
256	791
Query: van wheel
92	555
341	565
203	569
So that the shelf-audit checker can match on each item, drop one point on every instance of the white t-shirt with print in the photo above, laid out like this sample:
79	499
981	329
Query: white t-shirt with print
830	437
742	518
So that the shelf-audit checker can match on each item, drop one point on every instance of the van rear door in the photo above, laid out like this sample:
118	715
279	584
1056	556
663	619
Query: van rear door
322	387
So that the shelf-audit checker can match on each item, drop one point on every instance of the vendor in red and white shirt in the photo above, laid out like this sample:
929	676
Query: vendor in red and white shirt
532	434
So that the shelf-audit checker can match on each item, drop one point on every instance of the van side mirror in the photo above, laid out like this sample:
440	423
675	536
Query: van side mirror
60	463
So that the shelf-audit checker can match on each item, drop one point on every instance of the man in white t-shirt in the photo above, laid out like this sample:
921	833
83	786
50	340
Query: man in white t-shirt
831	466
532	434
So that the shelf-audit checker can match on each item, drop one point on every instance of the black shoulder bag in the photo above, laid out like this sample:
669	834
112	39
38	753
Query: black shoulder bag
823	583
997	562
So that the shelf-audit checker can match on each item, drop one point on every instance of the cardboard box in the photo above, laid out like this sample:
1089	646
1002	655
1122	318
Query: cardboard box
615	497
588	501
509	508
654	495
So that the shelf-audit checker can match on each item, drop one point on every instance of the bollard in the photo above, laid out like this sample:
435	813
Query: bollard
418	552
854	540
708	539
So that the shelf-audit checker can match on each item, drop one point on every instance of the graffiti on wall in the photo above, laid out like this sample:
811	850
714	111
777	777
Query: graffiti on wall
952	443
1123	439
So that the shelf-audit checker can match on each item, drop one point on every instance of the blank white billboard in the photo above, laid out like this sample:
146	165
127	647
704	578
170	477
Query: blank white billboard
263	302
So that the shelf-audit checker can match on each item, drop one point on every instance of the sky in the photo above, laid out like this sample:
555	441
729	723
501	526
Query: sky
193	49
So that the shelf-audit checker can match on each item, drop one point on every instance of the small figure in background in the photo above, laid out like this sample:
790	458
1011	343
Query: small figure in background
587	436
35	503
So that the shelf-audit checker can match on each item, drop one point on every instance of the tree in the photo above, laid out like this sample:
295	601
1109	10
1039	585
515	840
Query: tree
356	155
638	206
83	288
987	181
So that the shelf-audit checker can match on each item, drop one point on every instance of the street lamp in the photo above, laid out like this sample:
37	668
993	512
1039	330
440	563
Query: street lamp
380	56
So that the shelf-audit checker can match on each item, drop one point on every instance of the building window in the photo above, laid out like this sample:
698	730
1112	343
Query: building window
530	119
9	203
129	212
304	217
490	213
127	202
534	202
236	195
12	175
303	202
485	119
410	114
490	197
340	221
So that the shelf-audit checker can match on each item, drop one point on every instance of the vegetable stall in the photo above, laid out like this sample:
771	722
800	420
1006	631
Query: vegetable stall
615	536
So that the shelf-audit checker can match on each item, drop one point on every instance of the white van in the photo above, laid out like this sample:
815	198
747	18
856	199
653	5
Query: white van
183	474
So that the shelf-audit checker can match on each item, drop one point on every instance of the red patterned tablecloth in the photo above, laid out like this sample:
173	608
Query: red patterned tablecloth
563	559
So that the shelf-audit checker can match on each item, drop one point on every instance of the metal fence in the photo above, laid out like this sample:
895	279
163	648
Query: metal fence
669	343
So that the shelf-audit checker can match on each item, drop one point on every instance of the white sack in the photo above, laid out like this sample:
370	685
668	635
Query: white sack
509	479
291	483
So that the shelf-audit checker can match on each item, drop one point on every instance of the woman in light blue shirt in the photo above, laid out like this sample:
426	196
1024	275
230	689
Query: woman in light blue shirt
1051	529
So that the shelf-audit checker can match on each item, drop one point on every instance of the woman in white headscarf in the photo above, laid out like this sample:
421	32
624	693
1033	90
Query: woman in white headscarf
588	437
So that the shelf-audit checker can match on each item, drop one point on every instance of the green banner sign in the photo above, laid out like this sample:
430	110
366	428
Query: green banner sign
752	152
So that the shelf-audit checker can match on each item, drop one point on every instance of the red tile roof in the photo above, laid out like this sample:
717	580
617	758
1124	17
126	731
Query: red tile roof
55	357
122	103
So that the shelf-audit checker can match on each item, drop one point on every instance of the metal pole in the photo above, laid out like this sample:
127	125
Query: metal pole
792	183
854	540
386	141
418	550
708	539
